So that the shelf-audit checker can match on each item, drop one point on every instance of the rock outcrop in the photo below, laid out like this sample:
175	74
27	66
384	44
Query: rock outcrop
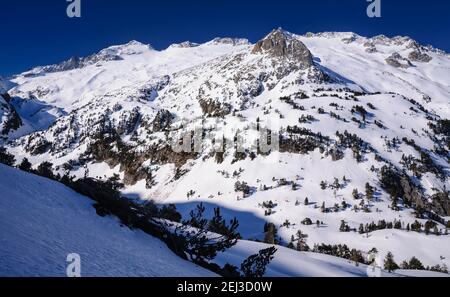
281	44
419	56
397	61
162	120
441	203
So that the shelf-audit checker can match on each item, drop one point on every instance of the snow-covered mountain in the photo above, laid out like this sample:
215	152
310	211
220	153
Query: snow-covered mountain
363	133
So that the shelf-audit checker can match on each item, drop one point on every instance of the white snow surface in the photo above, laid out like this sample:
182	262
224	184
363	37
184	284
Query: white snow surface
291	263
42	221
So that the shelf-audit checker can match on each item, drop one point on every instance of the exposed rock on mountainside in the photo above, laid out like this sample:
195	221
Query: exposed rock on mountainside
184	44
76	63
441	203
212	108
230	41
418	56
396	60
281	44
162	121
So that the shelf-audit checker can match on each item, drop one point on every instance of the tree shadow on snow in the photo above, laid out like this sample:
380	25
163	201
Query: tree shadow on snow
251	226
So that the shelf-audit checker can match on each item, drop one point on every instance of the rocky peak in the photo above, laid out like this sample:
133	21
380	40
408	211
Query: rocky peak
282	44
131	48
184	44
230	41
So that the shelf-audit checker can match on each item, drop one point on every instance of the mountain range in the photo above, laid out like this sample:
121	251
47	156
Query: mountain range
363	134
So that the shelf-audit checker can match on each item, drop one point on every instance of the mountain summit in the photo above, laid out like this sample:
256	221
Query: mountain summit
280	43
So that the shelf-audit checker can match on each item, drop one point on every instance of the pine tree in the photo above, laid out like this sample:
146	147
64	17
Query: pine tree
302	246
169	212
394	204
355	194
323	208
197	244
271	232
306	201
217	224
114	182
344	227
389	263
286	223
196	217
369	192
45	170
255	266
361	229
25	165
415	264
429	225
416	226
336	184
6	158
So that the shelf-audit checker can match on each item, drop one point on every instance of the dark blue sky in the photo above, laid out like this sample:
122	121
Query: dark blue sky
38	32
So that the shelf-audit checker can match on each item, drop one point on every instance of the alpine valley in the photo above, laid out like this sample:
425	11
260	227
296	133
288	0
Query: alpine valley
361	170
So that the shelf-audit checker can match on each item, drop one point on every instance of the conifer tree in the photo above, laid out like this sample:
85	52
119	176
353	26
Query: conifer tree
389	263
25	165
369	192
344	227
6	158
255	266
361	229
323	208
355	194
271	232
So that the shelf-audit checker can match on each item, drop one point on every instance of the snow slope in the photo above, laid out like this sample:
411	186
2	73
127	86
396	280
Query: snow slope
291	263
42	221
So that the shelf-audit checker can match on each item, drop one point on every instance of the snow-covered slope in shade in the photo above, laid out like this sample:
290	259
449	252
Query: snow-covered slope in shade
42	221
